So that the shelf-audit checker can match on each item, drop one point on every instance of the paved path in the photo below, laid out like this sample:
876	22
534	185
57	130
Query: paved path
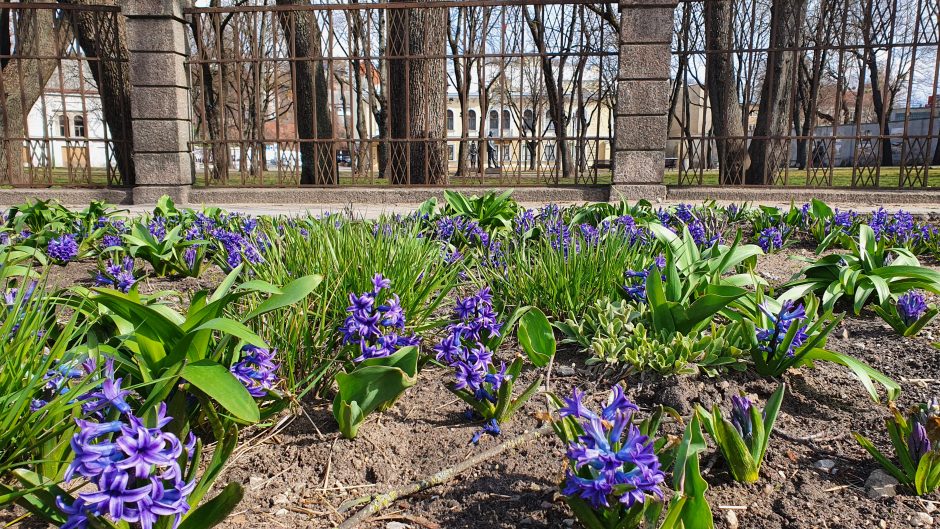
374	211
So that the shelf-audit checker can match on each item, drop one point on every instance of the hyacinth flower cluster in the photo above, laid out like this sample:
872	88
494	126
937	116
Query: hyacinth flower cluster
613	467
10	297
113	231
460	232
626	227
771	238
63	248
915	438
235	247
777	339
59	380
743	439
843	220
134	470
635	287
685	216
463	348
119	276
899	228
911	306
376	322
909	314
468	348
256	370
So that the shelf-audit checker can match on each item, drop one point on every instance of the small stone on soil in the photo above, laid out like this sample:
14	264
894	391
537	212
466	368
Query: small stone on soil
281	512
732	519
921	519
397	525
565	371
826	465
881	485
255	482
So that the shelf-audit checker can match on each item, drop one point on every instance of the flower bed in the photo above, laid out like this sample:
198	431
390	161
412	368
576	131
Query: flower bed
474	364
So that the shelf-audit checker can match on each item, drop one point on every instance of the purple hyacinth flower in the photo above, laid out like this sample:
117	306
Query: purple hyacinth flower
574	406
110	241
613	458
108	395
146	449
918	444
911	306
771	338
617	404
63	248
379	282
77	513
256	370
115	495
770	239
741	416
490	427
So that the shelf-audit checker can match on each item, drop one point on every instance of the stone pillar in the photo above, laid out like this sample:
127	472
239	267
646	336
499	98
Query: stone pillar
160	105
641	116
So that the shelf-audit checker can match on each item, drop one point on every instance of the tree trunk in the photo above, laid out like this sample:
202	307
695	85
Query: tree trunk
211	111
23	81
103	38
721	80
554	90
417	94
311	96
770	150
882	104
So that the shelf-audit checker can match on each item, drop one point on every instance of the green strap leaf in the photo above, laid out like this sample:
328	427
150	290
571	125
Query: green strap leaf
214	511
536	337
295	291
213	379
863	372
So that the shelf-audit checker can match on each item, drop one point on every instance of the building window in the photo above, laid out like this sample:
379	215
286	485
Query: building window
78	125
472	115
506	119
551	125
450	120
450	154
63	125
494	120
528	119
507	153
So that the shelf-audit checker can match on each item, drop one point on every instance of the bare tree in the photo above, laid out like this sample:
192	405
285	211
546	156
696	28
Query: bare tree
770	148
882	24
24	78
467	28
417	93
311	95
721	80
103	38
553	72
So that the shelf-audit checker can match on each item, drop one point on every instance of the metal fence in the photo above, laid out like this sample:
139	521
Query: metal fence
54	127
805	92
480	92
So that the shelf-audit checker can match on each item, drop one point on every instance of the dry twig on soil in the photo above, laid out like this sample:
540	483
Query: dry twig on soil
384	500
